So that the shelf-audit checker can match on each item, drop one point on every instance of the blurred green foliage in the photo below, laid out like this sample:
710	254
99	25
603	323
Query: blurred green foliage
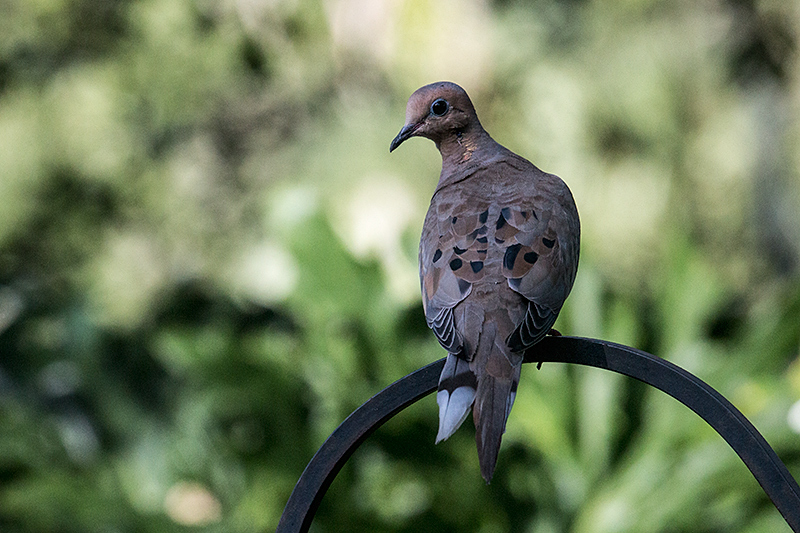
208	258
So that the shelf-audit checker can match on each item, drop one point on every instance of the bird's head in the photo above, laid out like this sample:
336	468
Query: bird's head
437	111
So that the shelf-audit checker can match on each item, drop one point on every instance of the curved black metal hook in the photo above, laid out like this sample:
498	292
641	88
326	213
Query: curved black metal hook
685	387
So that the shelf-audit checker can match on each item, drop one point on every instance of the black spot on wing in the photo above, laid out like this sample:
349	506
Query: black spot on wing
510	256
437	255
476	266
548	242
458	250
530	257
456	263
484	216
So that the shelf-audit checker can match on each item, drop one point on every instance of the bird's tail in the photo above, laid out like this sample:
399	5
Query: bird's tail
489	381
493	400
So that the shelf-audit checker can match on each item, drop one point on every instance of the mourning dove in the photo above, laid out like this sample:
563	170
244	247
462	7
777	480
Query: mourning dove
497	258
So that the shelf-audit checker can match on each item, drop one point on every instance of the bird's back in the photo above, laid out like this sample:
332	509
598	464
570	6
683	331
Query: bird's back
498	256
506	234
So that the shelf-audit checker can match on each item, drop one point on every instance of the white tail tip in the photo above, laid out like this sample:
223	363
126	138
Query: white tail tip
453	410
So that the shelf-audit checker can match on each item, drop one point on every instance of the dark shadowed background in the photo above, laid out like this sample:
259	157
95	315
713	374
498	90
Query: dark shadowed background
208	258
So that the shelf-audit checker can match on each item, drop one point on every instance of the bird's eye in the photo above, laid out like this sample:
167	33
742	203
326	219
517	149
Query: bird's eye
439	107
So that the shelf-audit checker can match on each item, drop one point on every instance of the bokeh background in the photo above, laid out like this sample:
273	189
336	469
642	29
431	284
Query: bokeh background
208	258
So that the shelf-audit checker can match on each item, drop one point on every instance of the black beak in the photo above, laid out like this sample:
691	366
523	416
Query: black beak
407	132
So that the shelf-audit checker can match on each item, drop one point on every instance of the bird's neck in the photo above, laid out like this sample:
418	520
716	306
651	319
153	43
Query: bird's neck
459	147
461	151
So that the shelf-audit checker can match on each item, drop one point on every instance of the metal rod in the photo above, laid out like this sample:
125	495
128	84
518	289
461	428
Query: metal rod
711	406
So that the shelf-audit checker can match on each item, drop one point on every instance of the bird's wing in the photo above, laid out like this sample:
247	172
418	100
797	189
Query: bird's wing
540	233
453	250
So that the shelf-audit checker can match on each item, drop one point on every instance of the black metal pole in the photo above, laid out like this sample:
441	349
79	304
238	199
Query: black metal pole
337	449
710	405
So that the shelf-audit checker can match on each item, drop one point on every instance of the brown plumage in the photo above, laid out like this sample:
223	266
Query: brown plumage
498	257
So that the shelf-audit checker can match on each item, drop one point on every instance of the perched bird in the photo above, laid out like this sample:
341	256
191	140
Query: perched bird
497	258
